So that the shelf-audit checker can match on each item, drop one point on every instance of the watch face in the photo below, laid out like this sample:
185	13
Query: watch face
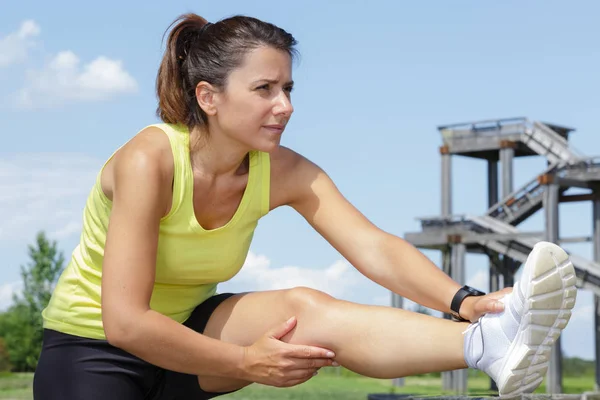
474	291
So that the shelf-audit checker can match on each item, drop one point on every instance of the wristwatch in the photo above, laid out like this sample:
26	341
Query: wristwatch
459	297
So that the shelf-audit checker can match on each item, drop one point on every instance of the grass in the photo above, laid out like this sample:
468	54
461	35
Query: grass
330	384
16	386
350	386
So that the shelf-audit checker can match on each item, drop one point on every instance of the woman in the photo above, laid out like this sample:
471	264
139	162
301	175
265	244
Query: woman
135	315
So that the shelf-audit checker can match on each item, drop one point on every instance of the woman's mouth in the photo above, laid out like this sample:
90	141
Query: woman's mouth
277	129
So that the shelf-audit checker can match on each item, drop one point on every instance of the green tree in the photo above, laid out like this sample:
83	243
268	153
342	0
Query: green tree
21	325
3	324
4	360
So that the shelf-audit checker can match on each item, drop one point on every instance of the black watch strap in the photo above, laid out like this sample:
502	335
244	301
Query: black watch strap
459	297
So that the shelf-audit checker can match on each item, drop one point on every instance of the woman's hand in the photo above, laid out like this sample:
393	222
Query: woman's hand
272	362
474	307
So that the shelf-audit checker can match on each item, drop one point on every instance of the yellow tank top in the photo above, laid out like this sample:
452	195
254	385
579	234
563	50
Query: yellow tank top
191	261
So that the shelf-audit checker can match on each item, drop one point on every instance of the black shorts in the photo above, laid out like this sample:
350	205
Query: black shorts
77	368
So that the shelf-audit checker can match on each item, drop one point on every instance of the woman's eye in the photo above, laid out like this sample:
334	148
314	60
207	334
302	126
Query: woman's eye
263	87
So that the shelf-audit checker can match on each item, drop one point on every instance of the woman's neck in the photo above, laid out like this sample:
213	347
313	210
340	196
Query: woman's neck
215	155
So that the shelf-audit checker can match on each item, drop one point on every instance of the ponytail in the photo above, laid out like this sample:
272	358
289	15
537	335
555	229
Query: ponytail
171	86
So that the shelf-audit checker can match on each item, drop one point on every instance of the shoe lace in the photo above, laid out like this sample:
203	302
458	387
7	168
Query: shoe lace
472	326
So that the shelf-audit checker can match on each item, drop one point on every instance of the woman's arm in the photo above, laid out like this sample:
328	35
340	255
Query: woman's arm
141	189
384	258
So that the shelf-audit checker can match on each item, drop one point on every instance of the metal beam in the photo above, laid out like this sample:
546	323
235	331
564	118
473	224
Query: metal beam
494	274
577	197
575	239
596	241
441	237
492	182
582	175
459	377
446	184
447	376
574	182
476	143
554	374
507	154
447	381
506	160
398	302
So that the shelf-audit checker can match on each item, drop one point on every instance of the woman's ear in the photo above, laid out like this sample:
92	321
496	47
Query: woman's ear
205	96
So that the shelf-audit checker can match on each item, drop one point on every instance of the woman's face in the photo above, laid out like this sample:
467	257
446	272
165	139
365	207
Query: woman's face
255	106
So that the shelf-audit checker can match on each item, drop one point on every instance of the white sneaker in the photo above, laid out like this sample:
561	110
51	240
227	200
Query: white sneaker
513	347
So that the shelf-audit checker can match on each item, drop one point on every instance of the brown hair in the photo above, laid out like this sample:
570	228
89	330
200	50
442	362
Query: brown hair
201	51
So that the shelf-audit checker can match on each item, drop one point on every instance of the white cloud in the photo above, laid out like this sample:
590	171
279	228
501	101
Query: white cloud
14	46
65	80
6	294
43	191
338	279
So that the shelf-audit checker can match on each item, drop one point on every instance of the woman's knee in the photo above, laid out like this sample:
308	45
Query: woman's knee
304	300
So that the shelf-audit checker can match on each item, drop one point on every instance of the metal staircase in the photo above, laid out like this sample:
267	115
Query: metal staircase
522	203
525	201
544	141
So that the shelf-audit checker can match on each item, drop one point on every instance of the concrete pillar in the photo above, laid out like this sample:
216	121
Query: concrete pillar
506	159
493	198
492	182
507	154
446	182
550	202
446	197
398	302
447	382
459	252
596	233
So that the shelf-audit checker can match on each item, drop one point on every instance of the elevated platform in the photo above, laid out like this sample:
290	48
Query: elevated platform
484	139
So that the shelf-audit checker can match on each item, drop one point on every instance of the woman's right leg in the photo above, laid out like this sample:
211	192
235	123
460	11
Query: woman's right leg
76	368
384	342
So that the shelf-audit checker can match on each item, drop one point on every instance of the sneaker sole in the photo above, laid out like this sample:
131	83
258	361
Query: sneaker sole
549	298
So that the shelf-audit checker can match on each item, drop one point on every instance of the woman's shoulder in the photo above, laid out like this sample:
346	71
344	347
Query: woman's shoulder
284	160
148	153
150	145
291	174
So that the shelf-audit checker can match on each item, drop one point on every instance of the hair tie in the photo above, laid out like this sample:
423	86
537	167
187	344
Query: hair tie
199	33
203	28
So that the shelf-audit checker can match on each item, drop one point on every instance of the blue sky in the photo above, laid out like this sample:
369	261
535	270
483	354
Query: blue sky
373	82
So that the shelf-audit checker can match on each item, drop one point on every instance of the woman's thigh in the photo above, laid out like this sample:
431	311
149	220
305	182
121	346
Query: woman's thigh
244	318
76	368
